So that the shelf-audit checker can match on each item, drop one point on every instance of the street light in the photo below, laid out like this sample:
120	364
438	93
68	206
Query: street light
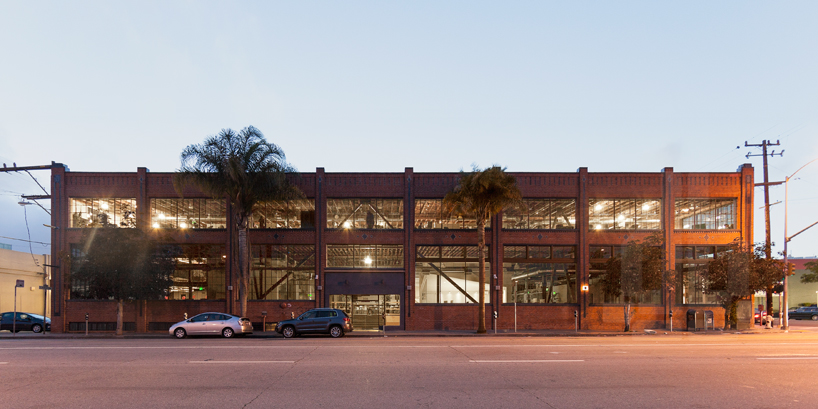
785	321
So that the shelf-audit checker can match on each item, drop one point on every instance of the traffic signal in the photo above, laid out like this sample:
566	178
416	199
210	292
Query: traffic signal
790	268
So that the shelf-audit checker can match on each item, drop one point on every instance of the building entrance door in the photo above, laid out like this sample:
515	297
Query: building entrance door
367	310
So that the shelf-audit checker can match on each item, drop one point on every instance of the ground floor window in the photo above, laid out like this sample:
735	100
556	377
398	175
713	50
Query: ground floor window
691	273
448	274
199	273
606	285
539	274
369	312
282	272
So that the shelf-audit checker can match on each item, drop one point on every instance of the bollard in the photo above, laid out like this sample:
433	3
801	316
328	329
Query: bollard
86	324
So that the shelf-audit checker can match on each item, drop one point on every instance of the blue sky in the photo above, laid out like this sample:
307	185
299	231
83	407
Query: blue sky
379	86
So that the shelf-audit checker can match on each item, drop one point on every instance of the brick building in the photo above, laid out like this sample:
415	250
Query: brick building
380	243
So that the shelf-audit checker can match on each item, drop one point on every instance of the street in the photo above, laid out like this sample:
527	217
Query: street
650	371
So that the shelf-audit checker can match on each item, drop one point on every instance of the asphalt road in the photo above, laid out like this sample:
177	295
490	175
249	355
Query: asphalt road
659	371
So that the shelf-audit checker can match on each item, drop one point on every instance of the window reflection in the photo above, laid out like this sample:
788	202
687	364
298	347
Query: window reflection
556	214
625	214
691	273
705	214
539	274
106	212
449	274
432	214
284	214
364	256
188	213
282	272
364	213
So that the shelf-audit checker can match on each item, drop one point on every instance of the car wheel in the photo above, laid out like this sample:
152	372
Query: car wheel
228	333
179	333
36	328
336	331
288	332
815	317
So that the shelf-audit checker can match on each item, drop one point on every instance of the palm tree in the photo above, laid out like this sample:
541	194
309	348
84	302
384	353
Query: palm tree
481	194
244	168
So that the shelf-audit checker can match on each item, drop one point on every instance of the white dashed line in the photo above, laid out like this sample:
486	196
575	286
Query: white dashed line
241	362
528	361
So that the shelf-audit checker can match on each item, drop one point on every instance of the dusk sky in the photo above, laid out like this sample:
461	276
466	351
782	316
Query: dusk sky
437	86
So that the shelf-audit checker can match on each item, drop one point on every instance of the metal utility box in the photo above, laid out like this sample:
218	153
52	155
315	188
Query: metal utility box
692	319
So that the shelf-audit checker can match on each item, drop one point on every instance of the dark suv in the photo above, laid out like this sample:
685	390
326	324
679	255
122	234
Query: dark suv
317	321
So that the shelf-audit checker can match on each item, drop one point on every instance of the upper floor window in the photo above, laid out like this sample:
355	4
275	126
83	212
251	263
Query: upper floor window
364	213
188	213
284	214
106	212
431	214
625	214
705	214
541	214
364	256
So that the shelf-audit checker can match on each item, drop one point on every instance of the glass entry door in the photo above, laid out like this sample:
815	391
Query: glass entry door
367	311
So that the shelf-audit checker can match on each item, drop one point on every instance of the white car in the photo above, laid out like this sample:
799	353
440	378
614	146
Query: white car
212	323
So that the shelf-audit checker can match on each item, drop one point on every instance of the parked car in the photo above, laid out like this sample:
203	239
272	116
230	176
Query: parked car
804	313
759	317
317	321
25	322
212	323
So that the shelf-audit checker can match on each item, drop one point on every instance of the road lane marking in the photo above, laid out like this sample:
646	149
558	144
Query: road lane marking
241	362
788	358
527	361
2	363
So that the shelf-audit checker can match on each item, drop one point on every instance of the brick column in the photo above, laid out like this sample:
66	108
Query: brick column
746	202
320	226
583	259
668	225
143	205
408	241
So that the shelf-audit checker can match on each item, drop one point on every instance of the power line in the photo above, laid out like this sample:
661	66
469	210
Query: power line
27	241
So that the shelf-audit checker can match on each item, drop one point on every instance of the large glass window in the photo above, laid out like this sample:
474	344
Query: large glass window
188	213
364	256
282	272
449	274
103	212
199	273
605	280
625	214
705	214
284	214
539	274
691	273
556	214
432	214
364	213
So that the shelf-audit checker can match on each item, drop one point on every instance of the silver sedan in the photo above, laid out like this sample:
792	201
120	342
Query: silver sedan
212	323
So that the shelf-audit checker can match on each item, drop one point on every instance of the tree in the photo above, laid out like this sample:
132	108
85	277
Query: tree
481	194
812	275
246	169
123	264
738	273
636	273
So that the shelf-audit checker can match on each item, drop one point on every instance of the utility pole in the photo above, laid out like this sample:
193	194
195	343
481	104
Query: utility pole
768	242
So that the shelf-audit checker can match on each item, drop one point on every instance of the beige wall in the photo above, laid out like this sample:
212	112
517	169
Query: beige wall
18	265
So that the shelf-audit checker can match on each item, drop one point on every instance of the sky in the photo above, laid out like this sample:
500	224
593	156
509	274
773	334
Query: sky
363	86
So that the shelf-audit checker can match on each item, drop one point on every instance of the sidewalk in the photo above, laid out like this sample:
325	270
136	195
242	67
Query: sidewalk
6	335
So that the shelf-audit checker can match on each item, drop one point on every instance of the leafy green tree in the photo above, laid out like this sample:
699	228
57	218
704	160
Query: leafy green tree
481	194
123	264
812	275
738	273
636	274
246	169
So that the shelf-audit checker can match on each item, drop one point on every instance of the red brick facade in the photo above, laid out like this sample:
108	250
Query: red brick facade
581	185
